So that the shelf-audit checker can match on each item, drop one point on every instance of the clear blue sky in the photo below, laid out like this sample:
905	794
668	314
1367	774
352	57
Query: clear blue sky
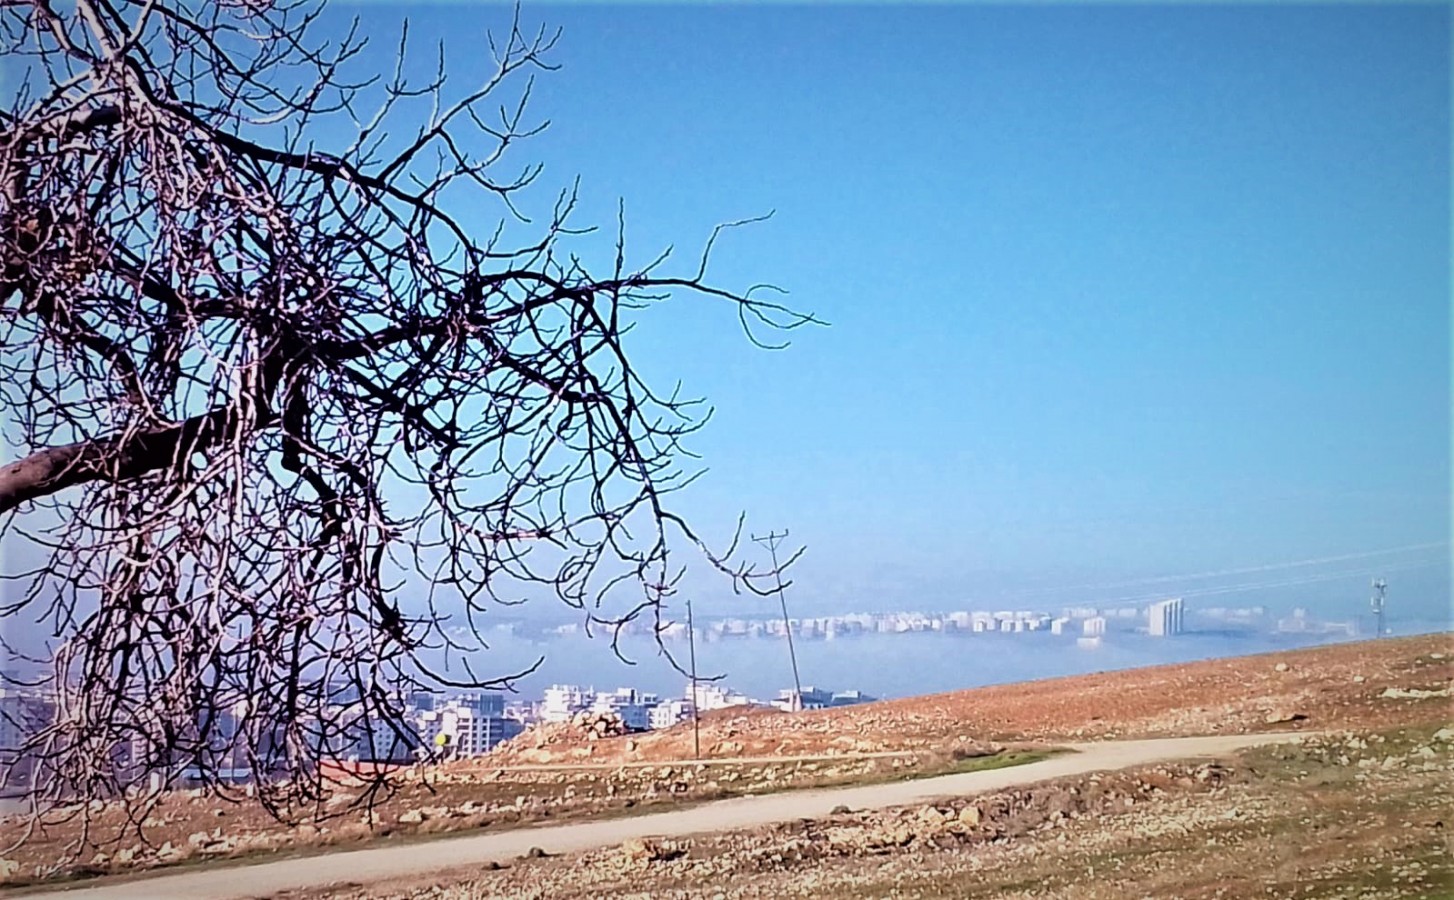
1115	292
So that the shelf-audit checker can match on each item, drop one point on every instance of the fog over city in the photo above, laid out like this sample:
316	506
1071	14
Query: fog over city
898	651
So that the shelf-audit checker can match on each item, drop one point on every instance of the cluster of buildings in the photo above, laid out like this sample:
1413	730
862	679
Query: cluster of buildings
474	723
1302	623
642	711
1162	619
461	725
637	710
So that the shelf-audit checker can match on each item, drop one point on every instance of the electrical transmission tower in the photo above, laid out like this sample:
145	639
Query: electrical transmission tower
771	541
1380	596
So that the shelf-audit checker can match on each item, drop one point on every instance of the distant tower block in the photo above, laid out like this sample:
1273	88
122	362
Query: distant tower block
1165	618
1380	596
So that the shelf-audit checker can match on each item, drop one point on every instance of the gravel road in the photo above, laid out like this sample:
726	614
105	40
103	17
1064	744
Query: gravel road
316	873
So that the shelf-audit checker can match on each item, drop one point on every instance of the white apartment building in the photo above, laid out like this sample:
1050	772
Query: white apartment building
633	706
1164	619
670	712
674	631
466	728
561	701
1094	626
710	696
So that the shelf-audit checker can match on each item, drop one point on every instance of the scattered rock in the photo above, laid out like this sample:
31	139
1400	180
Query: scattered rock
1280	667
535	853
1396	693
596	725
646	850
1284	715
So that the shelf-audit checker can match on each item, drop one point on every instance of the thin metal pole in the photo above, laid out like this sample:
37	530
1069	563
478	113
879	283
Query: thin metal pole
696	720
770	541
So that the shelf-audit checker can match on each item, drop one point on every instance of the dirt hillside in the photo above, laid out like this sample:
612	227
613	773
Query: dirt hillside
556	773
1319	688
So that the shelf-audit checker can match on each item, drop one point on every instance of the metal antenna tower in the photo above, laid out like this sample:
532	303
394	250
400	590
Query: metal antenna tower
771	541
1380	597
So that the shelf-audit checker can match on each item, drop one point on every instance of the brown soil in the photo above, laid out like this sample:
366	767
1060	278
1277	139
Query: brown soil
1319	688
1351	815
1336	687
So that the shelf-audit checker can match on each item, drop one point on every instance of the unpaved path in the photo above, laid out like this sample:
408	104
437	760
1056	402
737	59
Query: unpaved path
719	761
316	873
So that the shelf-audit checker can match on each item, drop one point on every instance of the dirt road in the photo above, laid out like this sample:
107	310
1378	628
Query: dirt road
317	873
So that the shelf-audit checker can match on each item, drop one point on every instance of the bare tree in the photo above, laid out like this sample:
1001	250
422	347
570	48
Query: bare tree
264	393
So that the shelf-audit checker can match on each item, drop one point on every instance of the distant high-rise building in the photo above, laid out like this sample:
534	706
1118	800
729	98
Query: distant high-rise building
633	706
22	713
565	700
710	696
670	712
1165	618
1094	627
469	725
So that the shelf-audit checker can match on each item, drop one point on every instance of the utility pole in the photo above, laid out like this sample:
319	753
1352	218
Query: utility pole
771	541
696	719
1380	595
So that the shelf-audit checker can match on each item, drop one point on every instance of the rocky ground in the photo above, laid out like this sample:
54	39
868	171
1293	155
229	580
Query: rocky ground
189	827
1317	688
1354	815
562	772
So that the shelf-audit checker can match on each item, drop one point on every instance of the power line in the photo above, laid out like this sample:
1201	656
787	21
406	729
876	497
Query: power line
1223	573
1264	585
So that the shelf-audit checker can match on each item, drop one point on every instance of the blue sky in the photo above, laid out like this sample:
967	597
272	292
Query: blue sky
1115	292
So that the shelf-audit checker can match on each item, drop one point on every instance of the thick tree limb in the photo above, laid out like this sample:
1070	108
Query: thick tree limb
116	459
